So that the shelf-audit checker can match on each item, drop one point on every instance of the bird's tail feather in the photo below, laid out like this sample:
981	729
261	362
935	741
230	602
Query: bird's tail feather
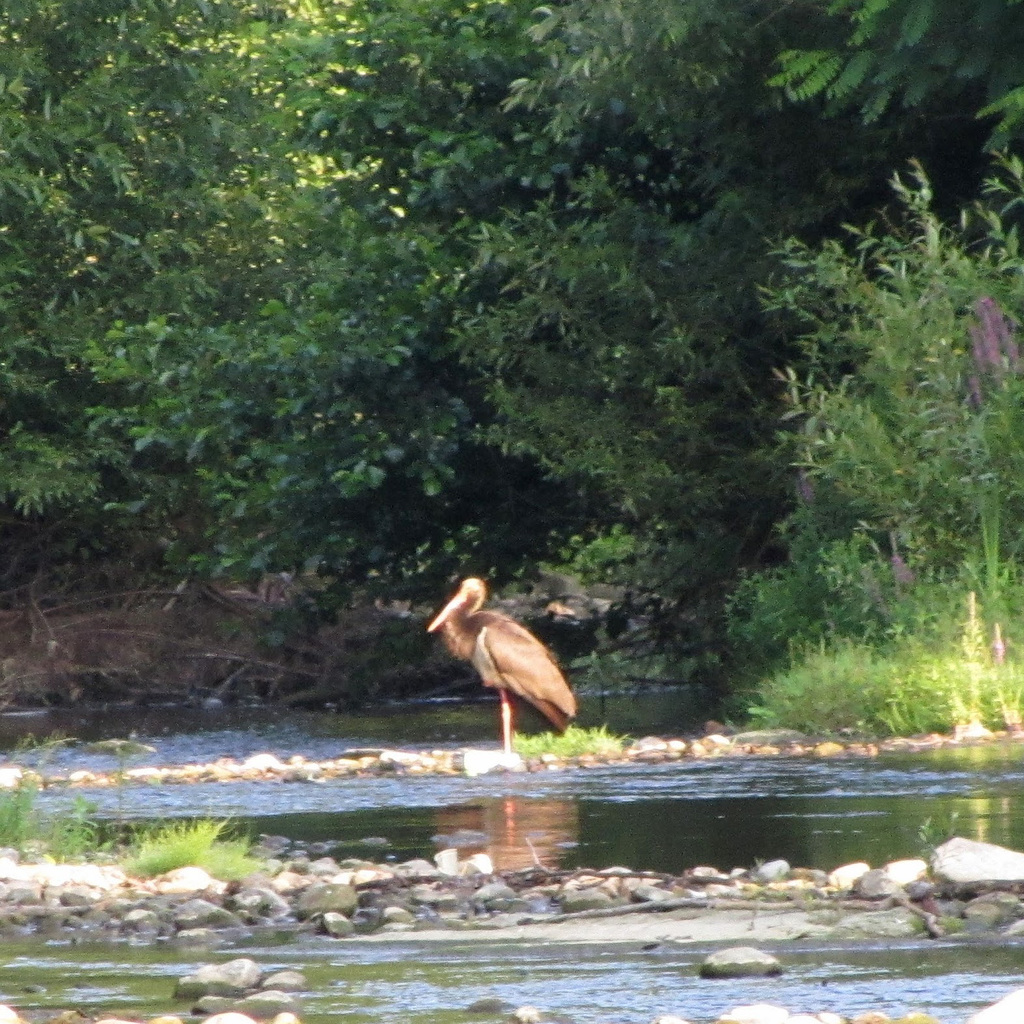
554	714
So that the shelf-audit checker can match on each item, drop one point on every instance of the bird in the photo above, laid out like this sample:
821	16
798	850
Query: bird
508	657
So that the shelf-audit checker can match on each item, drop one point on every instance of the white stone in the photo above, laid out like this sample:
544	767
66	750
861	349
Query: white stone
406	758
669	1018
716	740
447	861
10	777
803	1018
478	864
190	879
827	1017
263	763
771	871
755	1013
964	861
229	1017
843	877
903	872
1009	1010
526	1015
8	1015
479	762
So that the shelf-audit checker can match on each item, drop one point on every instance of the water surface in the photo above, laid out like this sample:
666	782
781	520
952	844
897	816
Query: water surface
729	811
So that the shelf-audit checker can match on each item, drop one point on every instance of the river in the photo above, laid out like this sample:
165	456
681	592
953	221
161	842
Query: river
725	812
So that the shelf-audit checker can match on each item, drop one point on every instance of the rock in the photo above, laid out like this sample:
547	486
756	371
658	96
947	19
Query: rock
479	762
324	867
771	871
285	981
263	1005
814	876
669	1018
141	920
1009	1010
756	1013
964	863
646	893
253	904
8	1016
488	1005
829	749
573	901
336	925
876	884
526	1015
263	763
190	879
417	868
233	978
397	915
229	1017
440	899
992	910
739	962
920	890
478	864
896	923
77	895
904	872
494	891
204	914
769	737
198	937
447	861
326	897
844	877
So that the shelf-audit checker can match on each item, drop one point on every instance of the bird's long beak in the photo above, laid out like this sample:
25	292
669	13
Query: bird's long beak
443	614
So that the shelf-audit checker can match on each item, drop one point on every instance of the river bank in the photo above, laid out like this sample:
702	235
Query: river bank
460	904
366	761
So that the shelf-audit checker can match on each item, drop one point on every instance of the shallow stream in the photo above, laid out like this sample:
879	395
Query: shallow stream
724	812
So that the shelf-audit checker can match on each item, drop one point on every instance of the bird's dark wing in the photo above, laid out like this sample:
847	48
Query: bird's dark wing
509	657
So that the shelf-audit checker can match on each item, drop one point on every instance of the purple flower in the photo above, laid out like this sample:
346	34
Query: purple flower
998	646
993	346
804	488
902	572
974	391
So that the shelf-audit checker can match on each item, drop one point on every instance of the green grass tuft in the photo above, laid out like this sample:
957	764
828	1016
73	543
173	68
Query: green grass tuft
202	843
572	743
67	836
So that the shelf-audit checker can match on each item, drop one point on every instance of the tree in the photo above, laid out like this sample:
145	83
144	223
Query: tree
926	55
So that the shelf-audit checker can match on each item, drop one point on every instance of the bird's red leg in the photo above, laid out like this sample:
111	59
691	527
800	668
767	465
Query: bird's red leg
506	722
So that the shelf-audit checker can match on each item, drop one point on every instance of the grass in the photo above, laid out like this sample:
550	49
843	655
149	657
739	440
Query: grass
200	843
65	837
574	742
909	686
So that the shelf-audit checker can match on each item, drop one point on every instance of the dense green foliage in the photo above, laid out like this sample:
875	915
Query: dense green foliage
917	53
384	293
911	454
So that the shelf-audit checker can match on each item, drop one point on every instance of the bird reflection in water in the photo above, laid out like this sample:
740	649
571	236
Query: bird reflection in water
516	833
